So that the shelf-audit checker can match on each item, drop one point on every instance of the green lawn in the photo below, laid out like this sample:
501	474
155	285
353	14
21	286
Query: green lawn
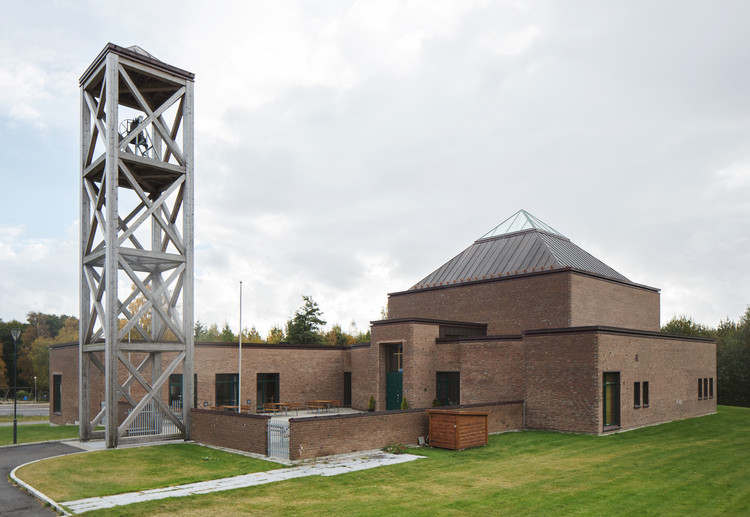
8	419
698	466
37	433
126	470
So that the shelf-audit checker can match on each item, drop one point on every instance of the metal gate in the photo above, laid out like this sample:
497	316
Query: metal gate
153	421
278	439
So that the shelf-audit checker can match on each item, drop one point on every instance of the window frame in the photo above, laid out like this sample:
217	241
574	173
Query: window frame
637	395
57	393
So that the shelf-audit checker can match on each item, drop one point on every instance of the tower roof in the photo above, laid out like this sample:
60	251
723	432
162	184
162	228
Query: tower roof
520	244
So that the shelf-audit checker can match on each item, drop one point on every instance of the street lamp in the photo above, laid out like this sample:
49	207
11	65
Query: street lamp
34	389
15	332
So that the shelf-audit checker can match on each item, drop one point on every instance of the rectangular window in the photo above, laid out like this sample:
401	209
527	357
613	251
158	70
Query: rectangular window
705	387
611	399
448	390
57	393
636	395
645	394
175	391
711	387
267	388
226	389
394	359
700	389
348	389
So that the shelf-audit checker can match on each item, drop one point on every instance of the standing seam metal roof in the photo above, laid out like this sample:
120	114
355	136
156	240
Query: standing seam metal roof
516	253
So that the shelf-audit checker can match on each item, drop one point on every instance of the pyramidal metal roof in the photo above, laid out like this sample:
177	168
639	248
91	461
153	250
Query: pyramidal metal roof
520	244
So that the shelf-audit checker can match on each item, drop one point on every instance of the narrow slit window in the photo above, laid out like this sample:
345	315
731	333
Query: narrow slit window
700	389
636	395
645	394
710	387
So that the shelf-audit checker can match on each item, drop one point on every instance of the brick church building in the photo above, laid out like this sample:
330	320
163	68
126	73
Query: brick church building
522	314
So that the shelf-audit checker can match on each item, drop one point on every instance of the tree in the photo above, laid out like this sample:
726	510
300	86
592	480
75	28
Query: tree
304	327
686	326
226	334
733	361
251	336
336	336
275	335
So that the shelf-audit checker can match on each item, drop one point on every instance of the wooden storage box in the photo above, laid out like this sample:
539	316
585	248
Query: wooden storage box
457	429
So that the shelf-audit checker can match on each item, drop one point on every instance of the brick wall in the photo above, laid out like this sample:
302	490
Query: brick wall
339	434
562	384
566	369
595	301
242	431
508	305
64	362
671	366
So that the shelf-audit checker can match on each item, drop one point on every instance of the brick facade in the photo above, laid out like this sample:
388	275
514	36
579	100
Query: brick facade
552	299
566	367
242	431
323	436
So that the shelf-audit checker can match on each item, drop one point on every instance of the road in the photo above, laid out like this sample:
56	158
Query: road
13	500
25	409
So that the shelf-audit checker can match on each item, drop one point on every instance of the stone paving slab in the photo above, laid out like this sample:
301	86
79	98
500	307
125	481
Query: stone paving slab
328	467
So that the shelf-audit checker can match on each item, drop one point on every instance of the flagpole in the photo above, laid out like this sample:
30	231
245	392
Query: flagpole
239	369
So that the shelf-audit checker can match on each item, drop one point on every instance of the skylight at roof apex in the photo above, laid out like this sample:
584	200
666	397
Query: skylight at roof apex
518	222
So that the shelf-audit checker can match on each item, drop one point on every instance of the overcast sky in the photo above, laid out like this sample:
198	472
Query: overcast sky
345	150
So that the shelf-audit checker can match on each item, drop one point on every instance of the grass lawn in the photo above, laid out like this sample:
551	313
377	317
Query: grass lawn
37	433
127	470
8	419
692	467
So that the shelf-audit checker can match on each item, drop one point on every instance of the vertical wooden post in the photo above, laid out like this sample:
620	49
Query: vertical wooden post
187	230
84	405
111	252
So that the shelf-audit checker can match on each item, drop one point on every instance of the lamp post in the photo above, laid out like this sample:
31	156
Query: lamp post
15	332
34	389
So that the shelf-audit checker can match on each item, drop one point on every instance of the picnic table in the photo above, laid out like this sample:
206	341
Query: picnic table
323	405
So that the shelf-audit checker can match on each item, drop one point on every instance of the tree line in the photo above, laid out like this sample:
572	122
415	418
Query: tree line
39	331
732	354
305	327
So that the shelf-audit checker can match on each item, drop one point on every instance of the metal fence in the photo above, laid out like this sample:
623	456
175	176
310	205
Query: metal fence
278	439
152	420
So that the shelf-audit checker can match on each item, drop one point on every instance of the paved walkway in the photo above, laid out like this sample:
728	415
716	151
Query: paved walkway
331	466
13	500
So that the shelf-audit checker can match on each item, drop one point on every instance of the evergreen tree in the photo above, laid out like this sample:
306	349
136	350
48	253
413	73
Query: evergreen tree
305	326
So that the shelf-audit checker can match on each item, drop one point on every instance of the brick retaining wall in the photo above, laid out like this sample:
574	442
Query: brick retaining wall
242	431
335	434
339	434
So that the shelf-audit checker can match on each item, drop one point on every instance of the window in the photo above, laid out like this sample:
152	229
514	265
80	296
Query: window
705	387
175	391
611	399
710	387
394	359
448	388
636	395
57	393
640	394
347	389
226	389
700	389
267	388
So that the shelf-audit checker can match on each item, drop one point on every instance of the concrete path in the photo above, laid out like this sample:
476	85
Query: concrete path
13	500
331	466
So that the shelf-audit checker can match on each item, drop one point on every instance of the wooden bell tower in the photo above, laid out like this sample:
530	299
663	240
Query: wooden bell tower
136	262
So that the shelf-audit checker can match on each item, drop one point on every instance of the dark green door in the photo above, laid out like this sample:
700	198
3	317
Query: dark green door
394	375
393	389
